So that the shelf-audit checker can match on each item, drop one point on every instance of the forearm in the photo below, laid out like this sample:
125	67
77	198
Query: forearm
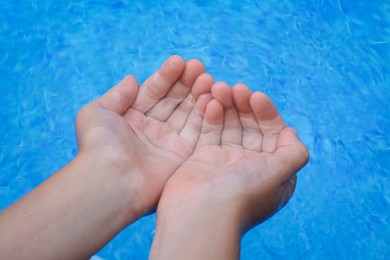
71	215
197	231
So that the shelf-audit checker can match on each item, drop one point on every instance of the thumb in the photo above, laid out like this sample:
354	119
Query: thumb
290	154
121	96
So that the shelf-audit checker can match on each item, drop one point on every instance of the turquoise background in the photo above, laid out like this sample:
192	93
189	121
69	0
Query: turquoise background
324	63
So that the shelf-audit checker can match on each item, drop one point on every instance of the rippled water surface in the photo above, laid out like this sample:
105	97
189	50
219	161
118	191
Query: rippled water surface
324	63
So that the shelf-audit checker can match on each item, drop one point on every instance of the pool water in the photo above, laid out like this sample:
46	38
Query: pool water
324	63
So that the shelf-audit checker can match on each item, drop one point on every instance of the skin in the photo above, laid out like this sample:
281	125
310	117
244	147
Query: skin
241	172
130	142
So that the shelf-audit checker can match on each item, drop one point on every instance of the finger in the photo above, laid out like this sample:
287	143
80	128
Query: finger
158	85
232	129
290	155
180	90
121	96
268	119
212	125
193	126
179	116
202	85
251	136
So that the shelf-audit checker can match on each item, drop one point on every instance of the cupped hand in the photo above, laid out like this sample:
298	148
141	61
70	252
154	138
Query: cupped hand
147	132
245	161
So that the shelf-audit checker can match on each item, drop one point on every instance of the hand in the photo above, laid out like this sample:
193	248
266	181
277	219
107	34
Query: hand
148	132
130	142
241	172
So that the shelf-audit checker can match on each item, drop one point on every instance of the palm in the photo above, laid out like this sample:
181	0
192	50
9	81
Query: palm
221	161
155	147
211	165
146	144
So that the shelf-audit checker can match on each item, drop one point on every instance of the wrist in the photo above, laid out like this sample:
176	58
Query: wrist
182	230
114	182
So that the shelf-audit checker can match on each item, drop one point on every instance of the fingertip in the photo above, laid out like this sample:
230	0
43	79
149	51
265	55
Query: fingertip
214	105
289	137
175	59
294	137
304	150
212	124
293	131
120	97
193	68
241	97
203	101
206	79
239	88
223	93
219	88
262	106
202	85
258	97
174	65
214	112
195	63
240	85
130	80
206	76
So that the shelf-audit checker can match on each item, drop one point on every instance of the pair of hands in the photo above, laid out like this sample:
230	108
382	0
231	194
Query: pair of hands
184	137
213	160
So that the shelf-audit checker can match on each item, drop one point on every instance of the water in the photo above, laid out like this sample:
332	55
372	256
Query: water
324	63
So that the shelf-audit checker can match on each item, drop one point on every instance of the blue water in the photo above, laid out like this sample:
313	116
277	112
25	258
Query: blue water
326	64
